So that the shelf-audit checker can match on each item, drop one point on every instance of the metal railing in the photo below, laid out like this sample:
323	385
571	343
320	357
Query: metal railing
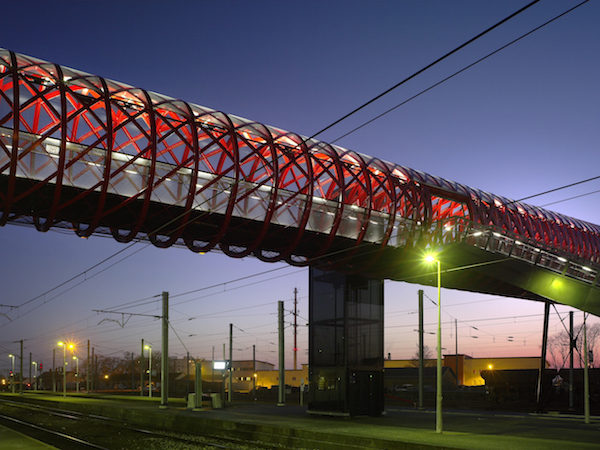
496	240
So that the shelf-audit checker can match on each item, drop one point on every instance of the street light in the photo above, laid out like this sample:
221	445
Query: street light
77	373
149	348
64	346
438	395
12	374
34	376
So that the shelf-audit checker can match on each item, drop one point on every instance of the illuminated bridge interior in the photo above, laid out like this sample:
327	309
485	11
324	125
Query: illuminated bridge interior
97	156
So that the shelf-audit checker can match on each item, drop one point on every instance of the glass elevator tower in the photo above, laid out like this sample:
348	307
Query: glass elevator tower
345	344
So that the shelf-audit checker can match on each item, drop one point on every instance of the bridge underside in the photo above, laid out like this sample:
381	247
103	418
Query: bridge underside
467	264
97	156
470	268
346	315
176	226
346	290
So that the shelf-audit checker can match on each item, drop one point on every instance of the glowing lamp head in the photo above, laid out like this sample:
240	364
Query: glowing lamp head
431	258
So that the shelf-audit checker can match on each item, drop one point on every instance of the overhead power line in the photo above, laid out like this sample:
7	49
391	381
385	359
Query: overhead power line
570	198
455	74
425	68
84	273
463	70
560	188
452	76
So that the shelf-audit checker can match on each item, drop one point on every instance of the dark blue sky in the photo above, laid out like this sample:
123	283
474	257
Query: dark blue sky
521	122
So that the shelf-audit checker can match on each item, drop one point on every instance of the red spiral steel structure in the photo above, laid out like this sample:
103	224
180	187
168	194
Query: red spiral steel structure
96	155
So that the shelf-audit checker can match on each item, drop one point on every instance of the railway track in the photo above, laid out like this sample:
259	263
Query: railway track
68	430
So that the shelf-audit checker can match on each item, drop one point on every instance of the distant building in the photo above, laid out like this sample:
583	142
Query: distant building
46	380
293	378
407	379
468	372
242	372
470	369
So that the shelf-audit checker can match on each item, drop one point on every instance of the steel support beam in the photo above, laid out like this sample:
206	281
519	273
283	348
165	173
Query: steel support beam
542	371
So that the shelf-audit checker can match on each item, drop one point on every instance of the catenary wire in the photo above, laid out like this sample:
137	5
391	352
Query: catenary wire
454	74
389	90
275	269
570	198
425	68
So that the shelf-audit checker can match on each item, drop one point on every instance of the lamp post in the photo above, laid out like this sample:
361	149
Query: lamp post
12	374
438	394
77	373
34	376
149	348
64	346
64	367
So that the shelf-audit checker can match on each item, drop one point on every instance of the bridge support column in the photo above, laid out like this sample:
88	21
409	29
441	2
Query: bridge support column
345	344
540	384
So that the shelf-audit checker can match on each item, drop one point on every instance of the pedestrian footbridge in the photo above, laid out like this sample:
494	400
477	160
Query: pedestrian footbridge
92	155
96	156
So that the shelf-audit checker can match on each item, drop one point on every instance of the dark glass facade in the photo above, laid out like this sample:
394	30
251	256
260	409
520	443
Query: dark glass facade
345	344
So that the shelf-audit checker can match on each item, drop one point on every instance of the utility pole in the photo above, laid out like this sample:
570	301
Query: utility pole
254	370
187	363
64	366
586	376
142	370
226	371
87	372
420	349
39	368
92	372
132	374
30	369
198	387
230	393
571	351
281	401
456	357
295	328
21	374
164	376
53	370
